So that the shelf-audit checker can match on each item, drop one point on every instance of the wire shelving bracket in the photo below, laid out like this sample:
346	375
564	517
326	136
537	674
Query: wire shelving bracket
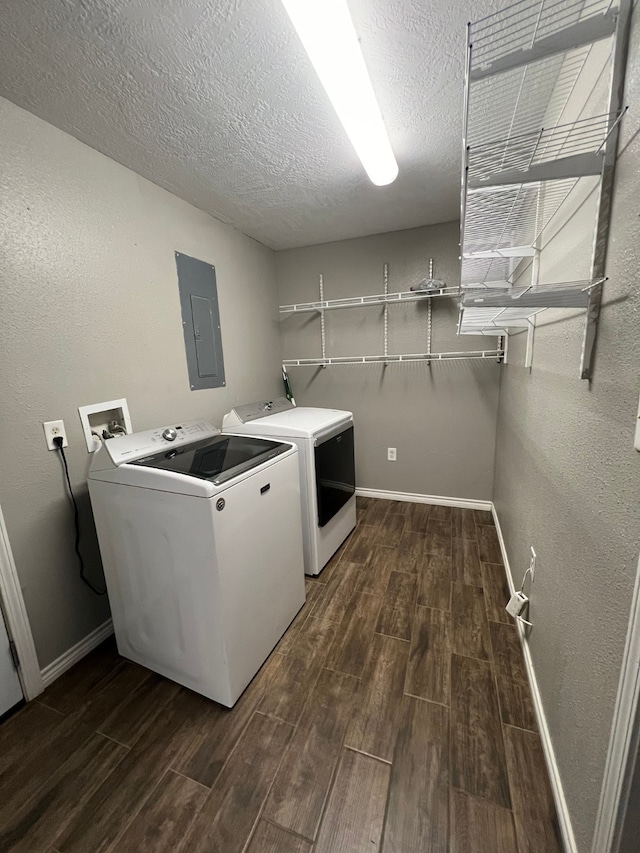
521	160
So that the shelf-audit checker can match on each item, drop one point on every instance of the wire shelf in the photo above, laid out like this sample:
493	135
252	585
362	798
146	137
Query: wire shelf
526	31
496	311
484	272
506	217
376	299
524	99
547	154
494	354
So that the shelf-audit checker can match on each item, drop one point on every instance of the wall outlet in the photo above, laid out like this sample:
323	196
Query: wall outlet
391	454
517	604
55	429
532	563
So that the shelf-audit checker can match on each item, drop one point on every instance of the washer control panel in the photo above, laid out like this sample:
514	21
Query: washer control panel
129	447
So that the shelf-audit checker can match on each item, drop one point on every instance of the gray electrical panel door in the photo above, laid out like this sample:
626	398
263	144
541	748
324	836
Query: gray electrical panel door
200	322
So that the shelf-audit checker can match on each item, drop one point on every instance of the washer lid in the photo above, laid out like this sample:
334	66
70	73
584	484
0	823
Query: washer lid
218	459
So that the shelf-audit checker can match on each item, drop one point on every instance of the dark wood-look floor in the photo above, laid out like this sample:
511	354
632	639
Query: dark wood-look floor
394	715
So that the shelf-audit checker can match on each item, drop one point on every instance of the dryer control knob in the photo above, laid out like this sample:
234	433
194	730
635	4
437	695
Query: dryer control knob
170	434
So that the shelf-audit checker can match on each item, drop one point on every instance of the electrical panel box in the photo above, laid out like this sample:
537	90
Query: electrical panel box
200	322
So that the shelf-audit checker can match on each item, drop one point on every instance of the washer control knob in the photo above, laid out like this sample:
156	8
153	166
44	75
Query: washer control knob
170	434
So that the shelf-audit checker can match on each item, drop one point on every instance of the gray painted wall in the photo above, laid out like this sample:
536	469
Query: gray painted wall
91	312
567	482
441	418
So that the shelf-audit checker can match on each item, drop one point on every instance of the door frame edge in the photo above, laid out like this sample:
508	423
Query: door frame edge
624	738
17	620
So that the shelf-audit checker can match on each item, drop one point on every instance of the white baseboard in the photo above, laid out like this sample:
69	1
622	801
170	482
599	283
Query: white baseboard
59	666
463	503
564	817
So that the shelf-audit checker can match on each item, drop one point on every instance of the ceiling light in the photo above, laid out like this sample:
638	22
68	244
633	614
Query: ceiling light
328	35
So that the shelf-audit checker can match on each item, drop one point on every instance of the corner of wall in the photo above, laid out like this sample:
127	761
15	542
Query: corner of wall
562	808
497	430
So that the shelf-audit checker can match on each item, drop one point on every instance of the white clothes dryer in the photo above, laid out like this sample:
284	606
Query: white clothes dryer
325	441
202	551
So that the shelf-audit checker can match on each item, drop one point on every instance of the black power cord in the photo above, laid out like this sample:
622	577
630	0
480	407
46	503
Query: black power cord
58	441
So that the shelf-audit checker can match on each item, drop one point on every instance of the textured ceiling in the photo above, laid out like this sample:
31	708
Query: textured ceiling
216	102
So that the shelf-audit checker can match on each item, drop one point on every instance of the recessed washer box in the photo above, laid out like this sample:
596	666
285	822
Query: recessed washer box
98	416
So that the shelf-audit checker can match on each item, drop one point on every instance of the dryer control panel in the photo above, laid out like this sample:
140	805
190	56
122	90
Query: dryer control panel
126	448
253	411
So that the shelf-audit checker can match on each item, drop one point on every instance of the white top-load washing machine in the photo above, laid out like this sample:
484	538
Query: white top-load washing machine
202	551
327	468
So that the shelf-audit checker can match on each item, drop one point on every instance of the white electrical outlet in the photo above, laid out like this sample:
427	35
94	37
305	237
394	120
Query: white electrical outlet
517	604
55	429
532	563
391	454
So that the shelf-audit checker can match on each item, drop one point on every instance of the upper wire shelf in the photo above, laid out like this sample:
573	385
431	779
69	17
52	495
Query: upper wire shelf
565	151
524	98
526	32
376	299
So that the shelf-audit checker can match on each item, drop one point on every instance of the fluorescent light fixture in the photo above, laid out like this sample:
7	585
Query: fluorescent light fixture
326	30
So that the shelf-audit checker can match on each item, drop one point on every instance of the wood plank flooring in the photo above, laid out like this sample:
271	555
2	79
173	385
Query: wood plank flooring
394	715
